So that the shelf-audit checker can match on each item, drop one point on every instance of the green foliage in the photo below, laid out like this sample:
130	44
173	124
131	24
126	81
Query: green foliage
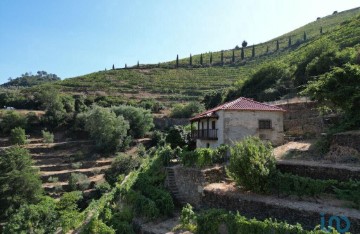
78	181
39	218
340	87
157	138
11	120
106	129
212	99
17	136
290	184
146	207
188	216
186	111
19	181
68	210
252	164
202	157
140	120
269	83
28	80
166	154
210	220
121	165
177	136
48	137
96	226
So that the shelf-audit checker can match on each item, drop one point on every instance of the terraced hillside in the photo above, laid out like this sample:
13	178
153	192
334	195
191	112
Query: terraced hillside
167	83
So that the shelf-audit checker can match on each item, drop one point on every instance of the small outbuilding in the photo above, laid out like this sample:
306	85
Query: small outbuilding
233	121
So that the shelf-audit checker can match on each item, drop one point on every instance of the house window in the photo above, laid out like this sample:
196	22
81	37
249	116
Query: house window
264	124
213	125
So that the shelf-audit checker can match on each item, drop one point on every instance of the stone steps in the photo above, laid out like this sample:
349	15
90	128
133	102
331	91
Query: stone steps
171	186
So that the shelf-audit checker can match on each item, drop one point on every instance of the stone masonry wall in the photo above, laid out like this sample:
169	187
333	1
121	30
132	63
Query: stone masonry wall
191	181
302	119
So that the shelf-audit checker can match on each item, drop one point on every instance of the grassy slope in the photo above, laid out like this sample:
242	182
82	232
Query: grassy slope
167	84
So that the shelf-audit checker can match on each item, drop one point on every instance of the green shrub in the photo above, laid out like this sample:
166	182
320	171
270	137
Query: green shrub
11	120
177	136
106	129
166	154
252	164
102	188
78	181
17	136
188	158
96	226
140	120
204	157
122	164
146	207
48	137
39	218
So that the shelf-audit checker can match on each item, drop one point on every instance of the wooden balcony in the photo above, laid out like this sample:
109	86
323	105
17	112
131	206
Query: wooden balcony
204	134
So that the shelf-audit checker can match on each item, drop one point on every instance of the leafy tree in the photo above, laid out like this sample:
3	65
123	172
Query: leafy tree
289	44
39	218
29	80
253	51
78	181
140	120
19	181
11	120
339	87
316	59
51	100
269	83
252	164
244	44
177	136
17	136
106	129
212	99
222	57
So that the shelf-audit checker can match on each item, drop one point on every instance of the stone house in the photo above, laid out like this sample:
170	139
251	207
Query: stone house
232	121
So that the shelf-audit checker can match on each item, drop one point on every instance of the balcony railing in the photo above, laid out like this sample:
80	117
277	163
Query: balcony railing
204	134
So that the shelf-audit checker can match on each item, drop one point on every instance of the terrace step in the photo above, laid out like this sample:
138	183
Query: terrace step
319	170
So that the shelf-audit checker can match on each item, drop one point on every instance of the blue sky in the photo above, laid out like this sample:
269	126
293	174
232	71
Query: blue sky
76	37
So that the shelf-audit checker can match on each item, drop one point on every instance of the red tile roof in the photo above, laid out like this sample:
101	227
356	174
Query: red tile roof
242	104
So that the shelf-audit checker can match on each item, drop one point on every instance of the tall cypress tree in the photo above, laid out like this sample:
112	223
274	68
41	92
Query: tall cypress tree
242	53
210	58
267	49
233	56
289	41
222	57
113	67
177	61
190	62
125	65
304	36
277	45
201	59
253	51
321	30
138	64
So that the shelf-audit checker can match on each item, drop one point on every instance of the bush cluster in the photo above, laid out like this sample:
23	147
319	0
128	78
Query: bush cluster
202	157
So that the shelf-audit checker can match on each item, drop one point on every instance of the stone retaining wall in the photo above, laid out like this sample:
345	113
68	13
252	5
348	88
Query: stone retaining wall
323	171
191	181
262	207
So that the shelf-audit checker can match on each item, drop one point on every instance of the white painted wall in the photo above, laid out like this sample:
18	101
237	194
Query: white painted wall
235	125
